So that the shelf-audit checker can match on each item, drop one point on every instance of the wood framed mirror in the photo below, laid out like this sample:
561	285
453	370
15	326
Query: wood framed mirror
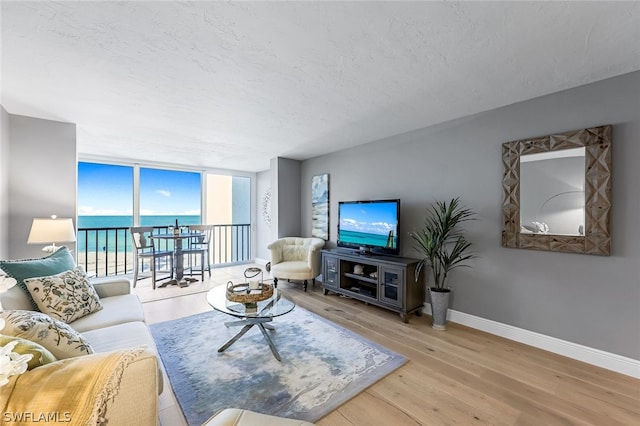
589	205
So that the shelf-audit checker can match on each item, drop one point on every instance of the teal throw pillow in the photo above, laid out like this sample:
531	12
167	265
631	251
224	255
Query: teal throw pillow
59	261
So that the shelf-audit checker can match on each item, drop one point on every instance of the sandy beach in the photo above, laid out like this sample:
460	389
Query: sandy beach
106	263
113	263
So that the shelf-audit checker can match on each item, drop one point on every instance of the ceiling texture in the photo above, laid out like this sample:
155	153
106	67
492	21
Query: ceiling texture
231	85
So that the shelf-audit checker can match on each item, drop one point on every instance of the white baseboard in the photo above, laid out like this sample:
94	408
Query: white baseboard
610	361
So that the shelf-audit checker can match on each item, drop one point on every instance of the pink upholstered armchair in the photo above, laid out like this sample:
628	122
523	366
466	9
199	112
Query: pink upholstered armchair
295	258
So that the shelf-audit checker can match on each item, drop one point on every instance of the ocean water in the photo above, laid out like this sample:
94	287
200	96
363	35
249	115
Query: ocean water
120	240
365	239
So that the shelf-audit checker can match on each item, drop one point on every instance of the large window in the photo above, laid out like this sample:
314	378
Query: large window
105	192
112	198
167	196
105	210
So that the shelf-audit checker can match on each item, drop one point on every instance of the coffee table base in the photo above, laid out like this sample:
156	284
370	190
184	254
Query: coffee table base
248	325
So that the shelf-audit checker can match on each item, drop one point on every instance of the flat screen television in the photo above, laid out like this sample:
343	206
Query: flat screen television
373	227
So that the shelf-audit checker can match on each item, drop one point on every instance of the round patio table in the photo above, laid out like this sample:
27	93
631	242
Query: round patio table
178	259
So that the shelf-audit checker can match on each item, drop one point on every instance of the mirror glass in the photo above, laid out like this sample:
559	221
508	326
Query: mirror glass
552	192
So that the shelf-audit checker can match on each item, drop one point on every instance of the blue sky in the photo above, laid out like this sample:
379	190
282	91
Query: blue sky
372	218
108	190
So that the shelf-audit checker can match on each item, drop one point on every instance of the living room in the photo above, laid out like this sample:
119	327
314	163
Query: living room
581	306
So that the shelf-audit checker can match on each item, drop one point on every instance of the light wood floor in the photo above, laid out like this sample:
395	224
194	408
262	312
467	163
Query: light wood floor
460	376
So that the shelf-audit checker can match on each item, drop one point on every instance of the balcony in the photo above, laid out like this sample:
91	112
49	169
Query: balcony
109	251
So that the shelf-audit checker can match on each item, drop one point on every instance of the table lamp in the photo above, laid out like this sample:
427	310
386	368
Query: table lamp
51	231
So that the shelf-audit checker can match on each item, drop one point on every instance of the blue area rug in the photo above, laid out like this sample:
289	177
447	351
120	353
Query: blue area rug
323	365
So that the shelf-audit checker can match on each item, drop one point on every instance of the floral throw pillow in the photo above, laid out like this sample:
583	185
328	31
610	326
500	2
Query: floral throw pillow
66	296
59	338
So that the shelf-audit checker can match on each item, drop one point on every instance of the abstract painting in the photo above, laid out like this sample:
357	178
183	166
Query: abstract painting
320	206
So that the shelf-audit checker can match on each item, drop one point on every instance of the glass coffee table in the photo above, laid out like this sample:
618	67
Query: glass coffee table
250	314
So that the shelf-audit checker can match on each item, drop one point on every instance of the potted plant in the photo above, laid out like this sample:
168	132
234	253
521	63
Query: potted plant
443	247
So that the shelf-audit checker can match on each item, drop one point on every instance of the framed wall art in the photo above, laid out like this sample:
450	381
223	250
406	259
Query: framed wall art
320	206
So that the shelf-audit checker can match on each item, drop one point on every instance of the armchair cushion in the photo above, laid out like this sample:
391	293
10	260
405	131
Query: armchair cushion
292	270
291	253
296	258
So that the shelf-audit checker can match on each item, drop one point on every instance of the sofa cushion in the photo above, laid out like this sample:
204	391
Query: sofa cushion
59	338
111	286
66	296
123	336
59	261
41	355
16	298
115	310
120	336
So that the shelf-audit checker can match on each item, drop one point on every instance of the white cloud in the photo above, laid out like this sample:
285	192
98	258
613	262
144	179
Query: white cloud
163	192
92	211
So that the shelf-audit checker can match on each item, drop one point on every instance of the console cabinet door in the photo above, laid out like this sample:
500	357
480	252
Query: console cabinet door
329	271
391	284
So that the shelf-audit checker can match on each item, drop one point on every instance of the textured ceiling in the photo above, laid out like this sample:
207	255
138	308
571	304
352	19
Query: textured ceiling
232	85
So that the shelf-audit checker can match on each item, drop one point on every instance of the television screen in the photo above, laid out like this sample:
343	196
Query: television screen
372	225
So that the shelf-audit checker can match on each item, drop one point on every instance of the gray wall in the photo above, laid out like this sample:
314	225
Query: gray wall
589	300
4	182
285	192
42	178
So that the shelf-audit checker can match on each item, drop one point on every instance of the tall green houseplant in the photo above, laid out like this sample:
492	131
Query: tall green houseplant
443	246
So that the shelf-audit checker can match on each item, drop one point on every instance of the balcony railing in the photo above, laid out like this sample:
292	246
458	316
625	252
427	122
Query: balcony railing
109	251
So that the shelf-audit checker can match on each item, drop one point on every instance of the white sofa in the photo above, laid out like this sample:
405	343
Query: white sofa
119	325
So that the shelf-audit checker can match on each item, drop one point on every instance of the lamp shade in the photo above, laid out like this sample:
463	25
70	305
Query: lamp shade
51	230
